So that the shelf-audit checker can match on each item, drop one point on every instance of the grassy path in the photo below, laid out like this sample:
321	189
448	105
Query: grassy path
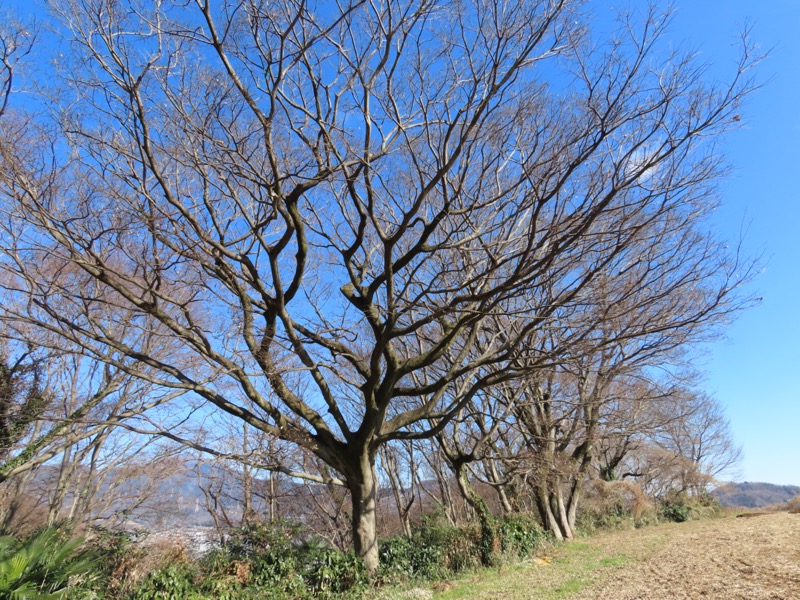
730	558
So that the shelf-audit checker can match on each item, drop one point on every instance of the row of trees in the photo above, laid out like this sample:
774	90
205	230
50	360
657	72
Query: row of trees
365	229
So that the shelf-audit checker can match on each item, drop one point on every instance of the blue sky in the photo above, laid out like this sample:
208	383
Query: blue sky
754	372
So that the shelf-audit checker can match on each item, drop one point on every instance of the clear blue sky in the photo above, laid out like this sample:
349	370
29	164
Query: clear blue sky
755	371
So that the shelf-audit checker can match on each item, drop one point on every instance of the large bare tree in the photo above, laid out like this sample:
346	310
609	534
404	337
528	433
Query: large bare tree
338	215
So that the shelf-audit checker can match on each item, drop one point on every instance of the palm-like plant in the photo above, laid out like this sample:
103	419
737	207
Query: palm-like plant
44	566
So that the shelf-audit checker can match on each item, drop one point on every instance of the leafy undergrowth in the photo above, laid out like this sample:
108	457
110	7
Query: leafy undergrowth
282	561
578	564
48	564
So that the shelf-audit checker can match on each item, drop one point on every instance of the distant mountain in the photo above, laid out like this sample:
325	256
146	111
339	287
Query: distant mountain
754	494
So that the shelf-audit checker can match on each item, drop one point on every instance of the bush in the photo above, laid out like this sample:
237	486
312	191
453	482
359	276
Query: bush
679	507
263	538
174	582
615	505
275	558
328	571
117	560
436	550
675	511
47	564
521	535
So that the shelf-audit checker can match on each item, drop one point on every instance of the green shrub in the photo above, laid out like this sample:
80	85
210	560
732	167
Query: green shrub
173	582
395	557
47	564
273	560
436	550
680	506
328	571
675	511
521	535
450	549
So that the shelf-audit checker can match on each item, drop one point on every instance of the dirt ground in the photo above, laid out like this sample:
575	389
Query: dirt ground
731	558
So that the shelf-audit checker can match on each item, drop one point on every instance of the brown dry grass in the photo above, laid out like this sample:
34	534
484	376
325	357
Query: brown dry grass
724	558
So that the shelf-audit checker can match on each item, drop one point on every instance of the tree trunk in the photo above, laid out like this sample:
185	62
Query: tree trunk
490	544
401	503
563	520
546	512
557	517
363	486
500	488
271	497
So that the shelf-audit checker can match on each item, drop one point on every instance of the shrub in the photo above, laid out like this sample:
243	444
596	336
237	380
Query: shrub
174	582
263	538
328	571
275	558
679	506
449	549
675	511
615	505
46	564
521	535
118	558
436	550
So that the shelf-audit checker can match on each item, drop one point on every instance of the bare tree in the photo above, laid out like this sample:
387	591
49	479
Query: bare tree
696	443
16	41
53	398
632	418
337	215
400	463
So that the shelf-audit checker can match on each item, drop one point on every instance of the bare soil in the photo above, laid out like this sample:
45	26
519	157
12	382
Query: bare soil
731	558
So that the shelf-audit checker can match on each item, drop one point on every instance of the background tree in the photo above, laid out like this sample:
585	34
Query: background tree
16	41
337	217
690	449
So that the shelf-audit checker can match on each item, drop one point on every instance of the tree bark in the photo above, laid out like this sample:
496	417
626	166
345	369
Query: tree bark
557	516
363	485
489	540
563	520
546	512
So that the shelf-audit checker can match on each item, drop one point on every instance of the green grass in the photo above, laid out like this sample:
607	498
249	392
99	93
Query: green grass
574	567
568	569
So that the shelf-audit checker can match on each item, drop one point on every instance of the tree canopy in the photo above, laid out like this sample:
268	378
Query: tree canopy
344	222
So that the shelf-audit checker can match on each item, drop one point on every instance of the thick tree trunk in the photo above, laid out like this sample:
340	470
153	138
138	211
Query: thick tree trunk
563	519
363	485
557	517
490	543
546	512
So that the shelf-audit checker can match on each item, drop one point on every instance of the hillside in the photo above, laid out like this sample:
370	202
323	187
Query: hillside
754	494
